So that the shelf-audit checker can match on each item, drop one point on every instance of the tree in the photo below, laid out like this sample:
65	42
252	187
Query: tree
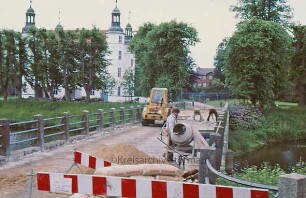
68	50
53	74
22	63
220	61
140	45
128	82
92	54
193	76
298	63
36	44
8	60
161	52
257	56
268	10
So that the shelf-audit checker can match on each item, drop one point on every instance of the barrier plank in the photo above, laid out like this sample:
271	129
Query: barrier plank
90	160
131	187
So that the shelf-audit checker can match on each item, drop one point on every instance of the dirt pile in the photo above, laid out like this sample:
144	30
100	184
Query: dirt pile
119	154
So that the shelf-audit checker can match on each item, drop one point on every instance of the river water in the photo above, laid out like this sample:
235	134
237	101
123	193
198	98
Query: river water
286	154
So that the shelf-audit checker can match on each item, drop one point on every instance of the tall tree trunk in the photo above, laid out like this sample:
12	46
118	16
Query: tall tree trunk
5	92
87	94
19	86
301	94
36	89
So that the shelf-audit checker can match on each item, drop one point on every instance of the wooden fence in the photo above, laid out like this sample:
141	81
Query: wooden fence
41	132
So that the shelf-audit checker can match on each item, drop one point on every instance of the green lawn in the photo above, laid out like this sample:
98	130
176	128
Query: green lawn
27	109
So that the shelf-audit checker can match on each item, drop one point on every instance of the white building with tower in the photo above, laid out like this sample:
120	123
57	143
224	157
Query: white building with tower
120	57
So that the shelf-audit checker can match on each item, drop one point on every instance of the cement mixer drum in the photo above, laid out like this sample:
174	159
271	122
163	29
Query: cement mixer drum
182	134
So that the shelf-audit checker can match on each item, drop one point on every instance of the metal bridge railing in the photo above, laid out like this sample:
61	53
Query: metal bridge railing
238	181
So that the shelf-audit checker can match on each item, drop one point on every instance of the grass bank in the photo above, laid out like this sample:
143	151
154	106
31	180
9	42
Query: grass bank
26	109
285	123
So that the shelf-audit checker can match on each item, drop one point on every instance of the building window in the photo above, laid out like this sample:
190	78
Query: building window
55	90
210	77
119	72
204	85
132	62
92	92
120	54
120	39
119	91
204	77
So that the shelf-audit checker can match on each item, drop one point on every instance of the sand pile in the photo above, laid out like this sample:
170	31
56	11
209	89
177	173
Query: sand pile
118	154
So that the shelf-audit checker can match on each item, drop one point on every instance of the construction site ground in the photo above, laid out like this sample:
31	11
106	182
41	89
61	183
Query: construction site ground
14	179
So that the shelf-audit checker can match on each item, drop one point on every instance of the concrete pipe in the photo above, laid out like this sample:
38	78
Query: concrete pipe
182	134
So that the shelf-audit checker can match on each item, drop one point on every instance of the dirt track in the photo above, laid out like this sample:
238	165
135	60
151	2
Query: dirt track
14	182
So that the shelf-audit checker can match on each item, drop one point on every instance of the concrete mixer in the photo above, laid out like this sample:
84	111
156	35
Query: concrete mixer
184	142
182	134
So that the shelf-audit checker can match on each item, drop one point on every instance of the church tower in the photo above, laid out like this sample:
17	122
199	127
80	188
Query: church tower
115	39
30	19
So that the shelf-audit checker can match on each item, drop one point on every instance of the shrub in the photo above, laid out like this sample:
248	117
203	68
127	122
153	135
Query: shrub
245	117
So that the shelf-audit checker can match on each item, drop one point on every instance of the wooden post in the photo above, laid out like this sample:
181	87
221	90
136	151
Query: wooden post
65	127
229	158
41	133
85	124
292	185
112	113
139	113
216	140
206	153
100	119
5	133
122	115
132	114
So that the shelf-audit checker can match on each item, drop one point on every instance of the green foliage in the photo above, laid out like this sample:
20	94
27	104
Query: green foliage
27	109
245	117
92	67
128	82
220	61
299	168
257	56
266	174
162	53
273	10
280	124
298	63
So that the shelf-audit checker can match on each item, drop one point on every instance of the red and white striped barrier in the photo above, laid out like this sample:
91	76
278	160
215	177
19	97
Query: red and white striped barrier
128	187
90	161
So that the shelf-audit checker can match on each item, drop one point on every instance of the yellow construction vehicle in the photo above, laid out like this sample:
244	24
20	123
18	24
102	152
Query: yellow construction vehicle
158	108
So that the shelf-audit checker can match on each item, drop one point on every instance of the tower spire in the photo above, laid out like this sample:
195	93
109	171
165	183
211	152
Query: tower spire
30	19
59	17
115	25
59	26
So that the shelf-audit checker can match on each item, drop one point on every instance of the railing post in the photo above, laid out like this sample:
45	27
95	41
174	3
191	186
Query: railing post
112	113
5	133
216	140
85	122
132	114
292	185
229	158
138	116
40	128
65	123
122	115
206	153
100	119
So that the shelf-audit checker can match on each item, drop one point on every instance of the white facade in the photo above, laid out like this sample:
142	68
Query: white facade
121	59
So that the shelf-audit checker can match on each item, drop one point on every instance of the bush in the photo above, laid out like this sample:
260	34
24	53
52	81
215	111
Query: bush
245	117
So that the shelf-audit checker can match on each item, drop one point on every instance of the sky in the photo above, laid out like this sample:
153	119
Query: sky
211	18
